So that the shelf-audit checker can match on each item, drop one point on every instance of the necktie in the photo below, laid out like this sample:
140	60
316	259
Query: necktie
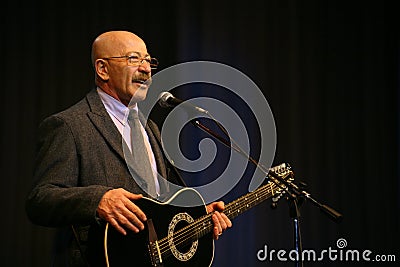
141	159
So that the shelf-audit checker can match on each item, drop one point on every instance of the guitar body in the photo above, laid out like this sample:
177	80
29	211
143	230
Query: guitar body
167	218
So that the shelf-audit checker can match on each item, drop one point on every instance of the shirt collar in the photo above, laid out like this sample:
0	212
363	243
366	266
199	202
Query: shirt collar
115	107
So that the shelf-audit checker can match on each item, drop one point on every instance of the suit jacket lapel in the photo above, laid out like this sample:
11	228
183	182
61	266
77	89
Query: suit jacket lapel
163	163
102	121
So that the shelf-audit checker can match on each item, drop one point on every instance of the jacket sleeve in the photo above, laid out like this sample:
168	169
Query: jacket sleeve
56	198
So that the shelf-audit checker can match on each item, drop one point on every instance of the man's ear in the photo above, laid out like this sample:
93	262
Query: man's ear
101	68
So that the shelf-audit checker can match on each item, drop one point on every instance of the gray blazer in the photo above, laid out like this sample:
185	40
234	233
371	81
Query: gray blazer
79	158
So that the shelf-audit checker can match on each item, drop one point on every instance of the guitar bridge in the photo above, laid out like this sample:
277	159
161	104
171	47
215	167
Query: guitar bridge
154	249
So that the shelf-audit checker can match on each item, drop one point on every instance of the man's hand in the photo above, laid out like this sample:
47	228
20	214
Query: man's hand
221	221
117	208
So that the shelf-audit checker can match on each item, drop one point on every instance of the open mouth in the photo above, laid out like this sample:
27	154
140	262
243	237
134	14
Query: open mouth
139	81
142	82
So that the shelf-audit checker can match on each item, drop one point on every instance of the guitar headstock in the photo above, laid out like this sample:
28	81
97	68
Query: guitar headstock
279	177
282	171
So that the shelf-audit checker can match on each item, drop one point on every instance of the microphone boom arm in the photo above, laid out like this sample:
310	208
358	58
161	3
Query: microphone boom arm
290	187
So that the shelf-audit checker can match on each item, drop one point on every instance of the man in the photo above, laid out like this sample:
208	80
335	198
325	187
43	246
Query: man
82	177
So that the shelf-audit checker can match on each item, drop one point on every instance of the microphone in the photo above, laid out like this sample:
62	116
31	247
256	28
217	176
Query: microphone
166	100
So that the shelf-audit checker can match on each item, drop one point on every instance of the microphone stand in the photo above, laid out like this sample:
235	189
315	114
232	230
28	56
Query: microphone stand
294	213
296	194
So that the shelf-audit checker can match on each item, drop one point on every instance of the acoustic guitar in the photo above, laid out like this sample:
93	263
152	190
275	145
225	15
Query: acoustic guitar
181	236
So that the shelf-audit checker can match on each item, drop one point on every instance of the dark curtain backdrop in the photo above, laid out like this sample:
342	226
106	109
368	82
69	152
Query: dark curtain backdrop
329	70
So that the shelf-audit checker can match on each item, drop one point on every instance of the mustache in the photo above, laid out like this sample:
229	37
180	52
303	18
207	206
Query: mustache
141	77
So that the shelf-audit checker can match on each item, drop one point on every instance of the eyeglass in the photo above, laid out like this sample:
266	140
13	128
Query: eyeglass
135	60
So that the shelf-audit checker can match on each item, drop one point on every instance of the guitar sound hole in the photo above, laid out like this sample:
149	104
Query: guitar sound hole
182	242
183	245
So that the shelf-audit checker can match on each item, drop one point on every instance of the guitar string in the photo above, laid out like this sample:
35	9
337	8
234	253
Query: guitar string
181	235
192	227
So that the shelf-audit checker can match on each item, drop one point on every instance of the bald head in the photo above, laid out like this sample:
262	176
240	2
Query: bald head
116	43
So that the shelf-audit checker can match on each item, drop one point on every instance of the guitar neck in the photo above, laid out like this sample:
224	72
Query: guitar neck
239	206
250	200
